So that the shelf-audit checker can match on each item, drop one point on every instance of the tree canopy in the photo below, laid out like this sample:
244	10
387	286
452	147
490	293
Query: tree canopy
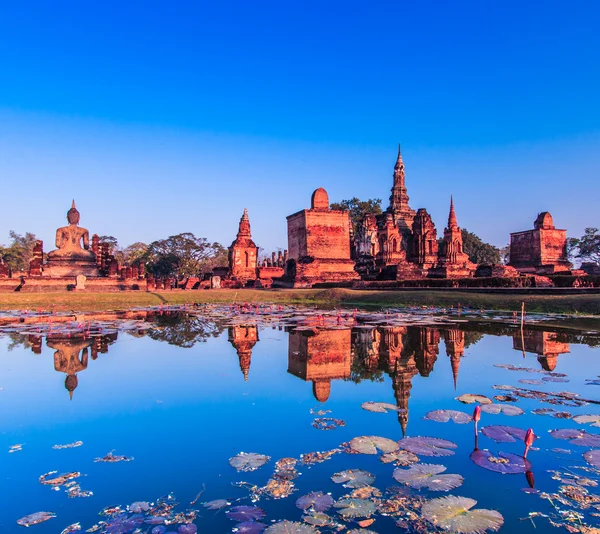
587	247
479	252
18	254
358	209
183	255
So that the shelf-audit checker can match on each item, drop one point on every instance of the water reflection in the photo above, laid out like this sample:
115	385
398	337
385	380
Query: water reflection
316	354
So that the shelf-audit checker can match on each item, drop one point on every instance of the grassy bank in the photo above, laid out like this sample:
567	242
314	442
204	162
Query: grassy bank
572	304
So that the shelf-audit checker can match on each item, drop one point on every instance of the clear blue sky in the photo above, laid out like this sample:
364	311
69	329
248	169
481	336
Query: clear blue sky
164	117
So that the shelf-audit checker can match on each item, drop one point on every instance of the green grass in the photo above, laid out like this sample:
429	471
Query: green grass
570	304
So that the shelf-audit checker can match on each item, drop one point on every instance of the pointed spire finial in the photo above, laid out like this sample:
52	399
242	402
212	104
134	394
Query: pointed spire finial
452	223
399	150
73	204
245	215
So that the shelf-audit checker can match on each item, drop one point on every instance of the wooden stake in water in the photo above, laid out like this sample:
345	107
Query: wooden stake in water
522	323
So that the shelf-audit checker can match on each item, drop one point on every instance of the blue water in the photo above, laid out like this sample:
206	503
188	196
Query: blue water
182	412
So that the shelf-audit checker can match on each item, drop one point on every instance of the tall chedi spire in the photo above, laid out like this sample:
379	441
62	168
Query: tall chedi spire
452	223
399	208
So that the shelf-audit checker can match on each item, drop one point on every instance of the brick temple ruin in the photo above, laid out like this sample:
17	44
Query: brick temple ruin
399	247
77	263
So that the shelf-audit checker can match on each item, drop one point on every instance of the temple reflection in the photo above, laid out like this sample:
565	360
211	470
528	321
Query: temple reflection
547	345
320	357
316	353
243	339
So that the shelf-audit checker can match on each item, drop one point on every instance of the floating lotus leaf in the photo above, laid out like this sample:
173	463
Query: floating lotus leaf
506	409
248	461
504	434
577	437
291	527
504	462
425	446
217	504
361	531
371	444
34	519
139	507
470	398
188	528
454	514
246	513
353	478
351	508
278	488
160	529
594	420
505	398
443	416
111	458
543	411
593	457
399	457
249	527
427	476
379	407
554	379
318	519
319	501
530	381
75	527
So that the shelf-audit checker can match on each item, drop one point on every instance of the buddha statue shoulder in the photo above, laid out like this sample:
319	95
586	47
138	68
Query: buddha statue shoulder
72	241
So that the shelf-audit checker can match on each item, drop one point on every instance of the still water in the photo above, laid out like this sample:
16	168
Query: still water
178	395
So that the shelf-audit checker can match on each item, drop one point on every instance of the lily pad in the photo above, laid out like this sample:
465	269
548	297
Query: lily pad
318	500
249	527
443	416
353	478
594	420
379	407
372	444
399	457
577	437
504	434
530	381
593	457
427	476
217	504
505	409
455	514
35	518
318	519
352	508
504	462
471	398
246	513
425	446
291	527
248	461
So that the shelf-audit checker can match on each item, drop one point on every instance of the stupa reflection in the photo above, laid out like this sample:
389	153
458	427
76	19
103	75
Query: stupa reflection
547	345
243	338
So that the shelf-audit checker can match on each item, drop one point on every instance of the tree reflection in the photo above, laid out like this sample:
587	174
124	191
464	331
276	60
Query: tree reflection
182	329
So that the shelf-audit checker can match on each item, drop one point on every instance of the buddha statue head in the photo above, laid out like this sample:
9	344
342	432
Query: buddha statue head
73	215
70	384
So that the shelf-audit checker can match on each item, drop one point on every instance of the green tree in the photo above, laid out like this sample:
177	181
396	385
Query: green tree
478	251
18	254
587	247
358	209
134	252
182	255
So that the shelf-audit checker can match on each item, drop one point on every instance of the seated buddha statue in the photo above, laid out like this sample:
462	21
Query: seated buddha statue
72	242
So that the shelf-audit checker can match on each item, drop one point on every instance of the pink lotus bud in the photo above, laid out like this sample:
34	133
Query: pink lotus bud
477	413
529	437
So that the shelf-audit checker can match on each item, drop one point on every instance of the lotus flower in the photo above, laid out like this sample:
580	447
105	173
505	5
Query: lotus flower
476	416
529	437
530	479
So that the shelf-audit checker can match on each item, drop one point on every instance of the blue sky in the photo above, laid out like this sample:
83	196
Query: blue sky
160	118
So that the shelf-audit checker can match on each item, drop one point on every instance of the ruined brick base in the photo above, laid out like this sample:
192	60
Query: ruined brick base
324	271
64	268
49	284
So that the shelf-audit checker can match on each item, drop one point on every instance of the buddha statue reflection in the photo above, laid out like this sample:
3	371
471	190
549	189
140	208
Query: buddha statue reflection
71	357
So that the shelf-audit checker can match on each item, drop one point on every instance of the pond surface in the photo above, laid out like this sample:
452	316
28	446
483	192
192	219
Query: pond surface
175	396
